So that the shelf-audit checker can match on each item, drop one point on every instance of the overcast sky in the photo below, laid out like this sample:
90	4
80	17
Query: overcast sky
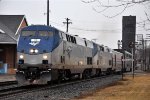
85	21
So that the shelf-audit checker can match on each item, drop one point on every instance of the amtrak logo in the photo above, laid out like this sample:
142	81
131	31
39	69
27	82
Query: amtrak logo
34	42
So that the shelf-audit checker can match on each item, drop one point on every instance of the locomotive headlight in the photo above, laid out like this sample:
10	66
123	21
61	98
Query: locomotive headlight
36	51
21	56
31	50
44	56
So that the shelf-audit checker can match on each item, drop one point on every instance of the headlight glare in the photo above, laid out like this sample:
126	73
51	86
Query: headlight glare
31	50
21	56
36	51
44	56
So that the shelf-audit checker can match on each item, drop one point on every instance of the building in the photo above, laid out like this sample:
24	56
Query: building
128	32
10	26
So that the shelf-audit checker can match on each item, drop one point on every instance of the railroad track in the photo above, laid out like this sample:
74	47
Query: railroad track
8	83
12	92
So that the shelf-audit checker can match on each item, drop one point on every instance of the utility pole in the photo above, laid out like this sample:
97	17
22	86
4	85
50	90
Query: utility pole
67	22
132	46
147	51
47	12
145	54
132	63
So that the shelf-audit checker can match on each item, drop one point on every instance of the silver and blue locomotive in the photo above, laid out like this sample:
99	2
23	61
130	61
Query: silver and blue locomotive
46	54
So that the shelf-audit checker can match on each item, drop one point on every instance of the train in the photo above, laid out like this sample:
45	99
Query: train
45	54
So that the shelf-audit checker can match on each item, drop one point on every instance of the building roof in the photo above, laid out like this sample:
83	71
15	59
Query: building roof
9	26
5	39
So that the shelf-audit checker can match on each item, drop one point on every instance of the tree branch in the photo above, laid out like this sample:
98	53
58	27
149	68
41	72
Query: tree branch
102	7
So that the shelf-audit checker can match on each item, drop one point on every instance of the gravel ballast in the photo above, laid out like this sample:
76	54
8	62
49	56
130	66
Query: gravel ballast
68	91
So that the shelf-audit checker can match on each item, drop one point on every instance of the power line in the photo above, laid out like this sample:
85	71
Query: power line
83	29
94	30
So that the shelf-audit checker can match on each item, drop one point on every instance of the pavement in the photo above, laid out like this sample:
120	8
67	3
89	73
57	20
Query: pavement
7	77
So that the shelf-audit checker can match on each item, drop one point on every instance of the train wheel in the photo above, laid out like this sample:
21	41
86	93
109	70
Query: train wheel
109	71
64	75
98	72
87	74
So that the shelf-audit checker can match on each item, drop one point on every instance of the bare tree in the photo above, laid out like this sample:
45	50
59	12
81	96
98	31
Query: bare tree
105	6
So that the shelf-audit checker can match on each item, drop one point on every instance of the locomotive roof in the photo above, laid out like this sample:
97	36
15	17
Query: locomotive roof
39	27
50	28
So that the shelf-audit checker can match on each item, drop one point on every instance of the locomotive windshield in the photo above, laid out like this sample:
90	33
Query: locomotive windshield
40	33
45	33
28	33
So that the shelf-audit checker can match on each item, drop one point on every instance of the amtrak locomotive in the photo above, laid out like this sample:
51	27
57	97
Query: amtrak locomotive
46	54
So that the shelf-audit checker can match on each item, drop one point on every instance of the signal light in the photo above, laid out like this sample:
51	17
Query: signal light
131	45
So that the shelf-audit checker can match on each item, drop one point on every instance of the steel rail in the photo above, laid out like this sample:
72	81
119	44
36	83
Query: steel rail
6	83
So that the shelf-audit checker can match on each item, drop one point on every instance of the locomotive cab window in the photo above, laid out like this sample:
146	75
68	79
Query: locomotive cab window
45	33
28	33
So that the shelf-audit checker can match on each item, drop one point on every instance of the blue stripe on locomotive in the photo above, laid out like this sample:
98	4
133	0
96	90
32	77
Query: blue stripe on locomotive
95	49
46	43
